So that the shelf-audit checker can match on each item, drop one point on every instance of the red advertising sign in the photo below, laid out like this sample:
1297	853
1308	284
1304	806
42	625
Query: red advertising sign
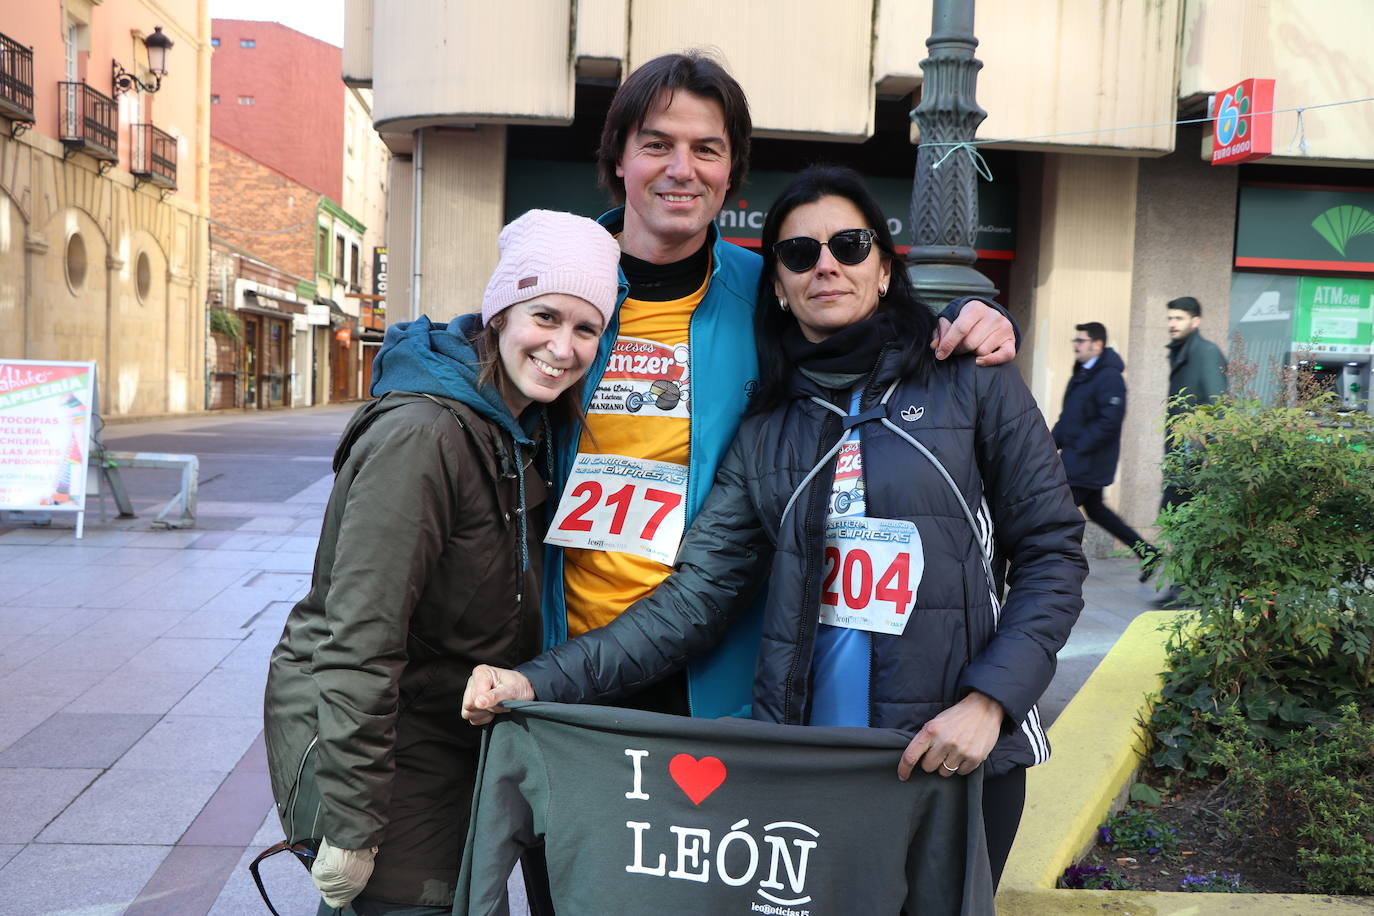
1243	129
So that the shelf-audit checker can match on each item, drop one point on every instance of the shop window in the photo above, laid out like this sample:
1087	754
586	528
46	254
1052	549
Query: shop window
76	262
143	276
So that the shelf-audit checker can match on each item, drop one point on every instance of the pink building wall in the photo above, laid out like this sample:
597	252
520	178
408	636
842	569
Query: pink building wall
296	122
39	24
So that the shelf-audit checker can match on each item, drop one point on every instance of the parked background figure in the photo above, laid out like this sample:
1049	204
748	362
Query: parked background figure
429	564
1197	373
925	644
1089	434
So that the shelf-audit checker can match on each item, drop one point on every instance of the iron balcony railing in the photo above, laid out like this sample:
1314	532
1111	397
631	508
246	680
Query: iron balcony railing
155	156
89	121
16	80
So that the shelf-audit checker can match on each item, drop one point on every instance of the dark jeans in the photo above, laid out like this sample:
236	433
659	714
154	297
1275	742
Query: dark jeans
1090	499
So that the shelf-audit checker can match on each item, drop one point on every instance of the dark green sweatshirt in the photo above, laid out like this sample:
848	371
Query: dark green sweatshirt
644	813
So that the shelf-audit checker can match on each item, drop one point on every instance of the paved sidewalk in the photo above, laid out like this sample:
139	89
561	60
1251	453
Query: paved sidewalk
132	666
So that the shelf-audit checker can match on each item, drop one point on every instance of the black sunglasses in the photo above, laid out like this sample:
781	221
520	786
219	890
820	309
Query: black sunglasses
848	246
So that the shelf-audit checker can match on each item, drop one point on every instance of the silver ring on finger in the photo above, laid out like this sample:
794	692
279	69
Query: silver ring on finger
946	766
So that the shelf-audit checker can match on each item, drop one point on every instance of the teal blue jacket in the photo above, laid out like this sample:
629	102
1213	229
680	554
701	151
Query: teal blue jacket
724	373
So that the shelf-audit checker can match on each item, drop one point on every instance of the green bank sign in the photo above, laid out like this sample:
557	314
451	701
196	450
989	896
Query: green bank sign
1334	316
571	186
1305	229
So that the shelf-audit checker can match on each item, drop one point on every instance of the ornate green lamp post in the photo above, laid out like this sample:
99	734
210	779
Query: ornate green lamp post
944	199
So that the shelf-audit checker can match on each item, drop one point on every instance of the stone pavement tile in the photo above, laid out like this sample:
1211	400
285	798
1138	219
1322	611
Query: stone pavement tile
136	556
34	796
269	524
15	725
224	559
187	882
148	692
8	852
16	536
246	510
128	622
170	653
43	691
134	806
185	589
70	621
299	543
70	553
24	621
92	653
166	539
241	603
290	561
286	880
12	552
105	536
210	624
310	526
77	740
231	816
22	578
240	540
224	692
215	744
17	652
68	880
89	586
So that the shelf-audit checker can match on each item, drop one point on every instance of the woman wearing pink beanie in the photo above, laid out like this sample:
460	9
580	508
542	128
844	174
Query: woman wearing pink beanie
429	564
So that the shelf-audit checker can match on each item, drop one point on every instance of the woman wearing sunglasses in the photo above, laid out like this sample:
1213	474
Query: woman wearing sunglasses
881	494
428	564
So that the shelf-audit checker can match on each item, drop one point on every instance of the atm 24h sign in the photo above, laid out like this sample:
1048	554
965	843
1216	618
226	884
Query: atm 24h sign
1243	129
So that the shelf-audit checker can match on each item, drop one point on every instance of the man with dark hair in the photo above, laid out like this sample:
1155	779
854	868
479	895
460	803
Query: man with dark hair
677	366
1197	374
673	375
1089	434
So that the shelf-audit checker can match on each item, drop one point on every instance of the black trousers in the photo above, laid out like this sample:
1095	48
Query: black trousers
1090	498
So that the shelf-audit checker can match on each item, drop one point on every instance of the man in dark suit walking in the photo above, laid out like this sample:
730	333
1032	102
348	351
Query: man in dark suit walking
1089	434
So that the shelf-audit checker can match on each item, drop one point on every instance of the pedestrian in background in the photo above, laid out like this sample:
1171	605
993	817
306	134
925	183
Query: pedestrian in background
1089	435
1197	374
428	565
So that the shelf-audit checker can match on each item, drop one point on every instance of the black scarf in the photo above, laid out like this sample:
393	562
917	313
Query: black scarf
851	351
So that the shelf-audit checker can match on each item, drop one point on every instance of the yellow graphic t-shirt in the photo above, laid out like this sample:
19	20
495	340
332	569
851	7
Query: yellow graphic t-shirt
642	410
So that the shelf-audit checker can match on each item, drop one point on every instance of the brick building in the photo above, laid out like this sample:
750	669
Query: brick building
292	192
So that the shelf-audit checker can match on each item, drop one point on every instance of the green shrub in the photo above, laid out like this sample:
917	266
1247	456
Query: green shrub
1321	786
1276	547
223	321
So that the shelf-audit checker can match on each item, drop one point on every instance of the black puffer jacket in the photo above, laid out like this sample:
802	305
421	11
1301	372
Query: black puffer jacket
1089	429
984	429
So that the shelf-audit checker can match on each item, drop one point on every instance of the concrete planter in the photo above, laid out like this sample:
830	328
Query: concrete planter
1097	746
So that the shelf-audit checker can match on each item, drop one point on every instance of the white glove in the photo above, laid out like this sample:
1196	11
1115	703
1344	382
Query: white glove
341	874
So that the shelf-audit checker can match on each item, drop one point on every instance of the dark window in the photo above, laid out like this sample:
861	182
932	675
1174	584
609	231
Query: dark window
353	265
214	42
214	100
247	43
322	256
339	253
247	100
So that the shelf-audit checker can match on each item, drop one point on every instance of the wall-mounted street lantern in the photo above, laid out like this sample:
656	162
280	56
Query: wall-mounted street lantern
158	45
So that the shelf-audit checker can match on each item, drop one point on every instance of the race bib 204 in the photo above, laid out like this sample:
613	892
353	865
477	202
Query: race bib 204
872	570
629	505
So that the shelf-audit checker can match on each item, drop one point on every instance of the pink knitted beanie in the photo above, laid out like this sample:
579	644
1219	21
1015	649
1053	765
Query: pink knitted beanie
545	251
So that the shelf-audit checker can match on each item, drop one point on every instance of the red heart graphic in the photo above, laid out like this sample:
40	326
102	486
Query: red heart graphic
697	778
